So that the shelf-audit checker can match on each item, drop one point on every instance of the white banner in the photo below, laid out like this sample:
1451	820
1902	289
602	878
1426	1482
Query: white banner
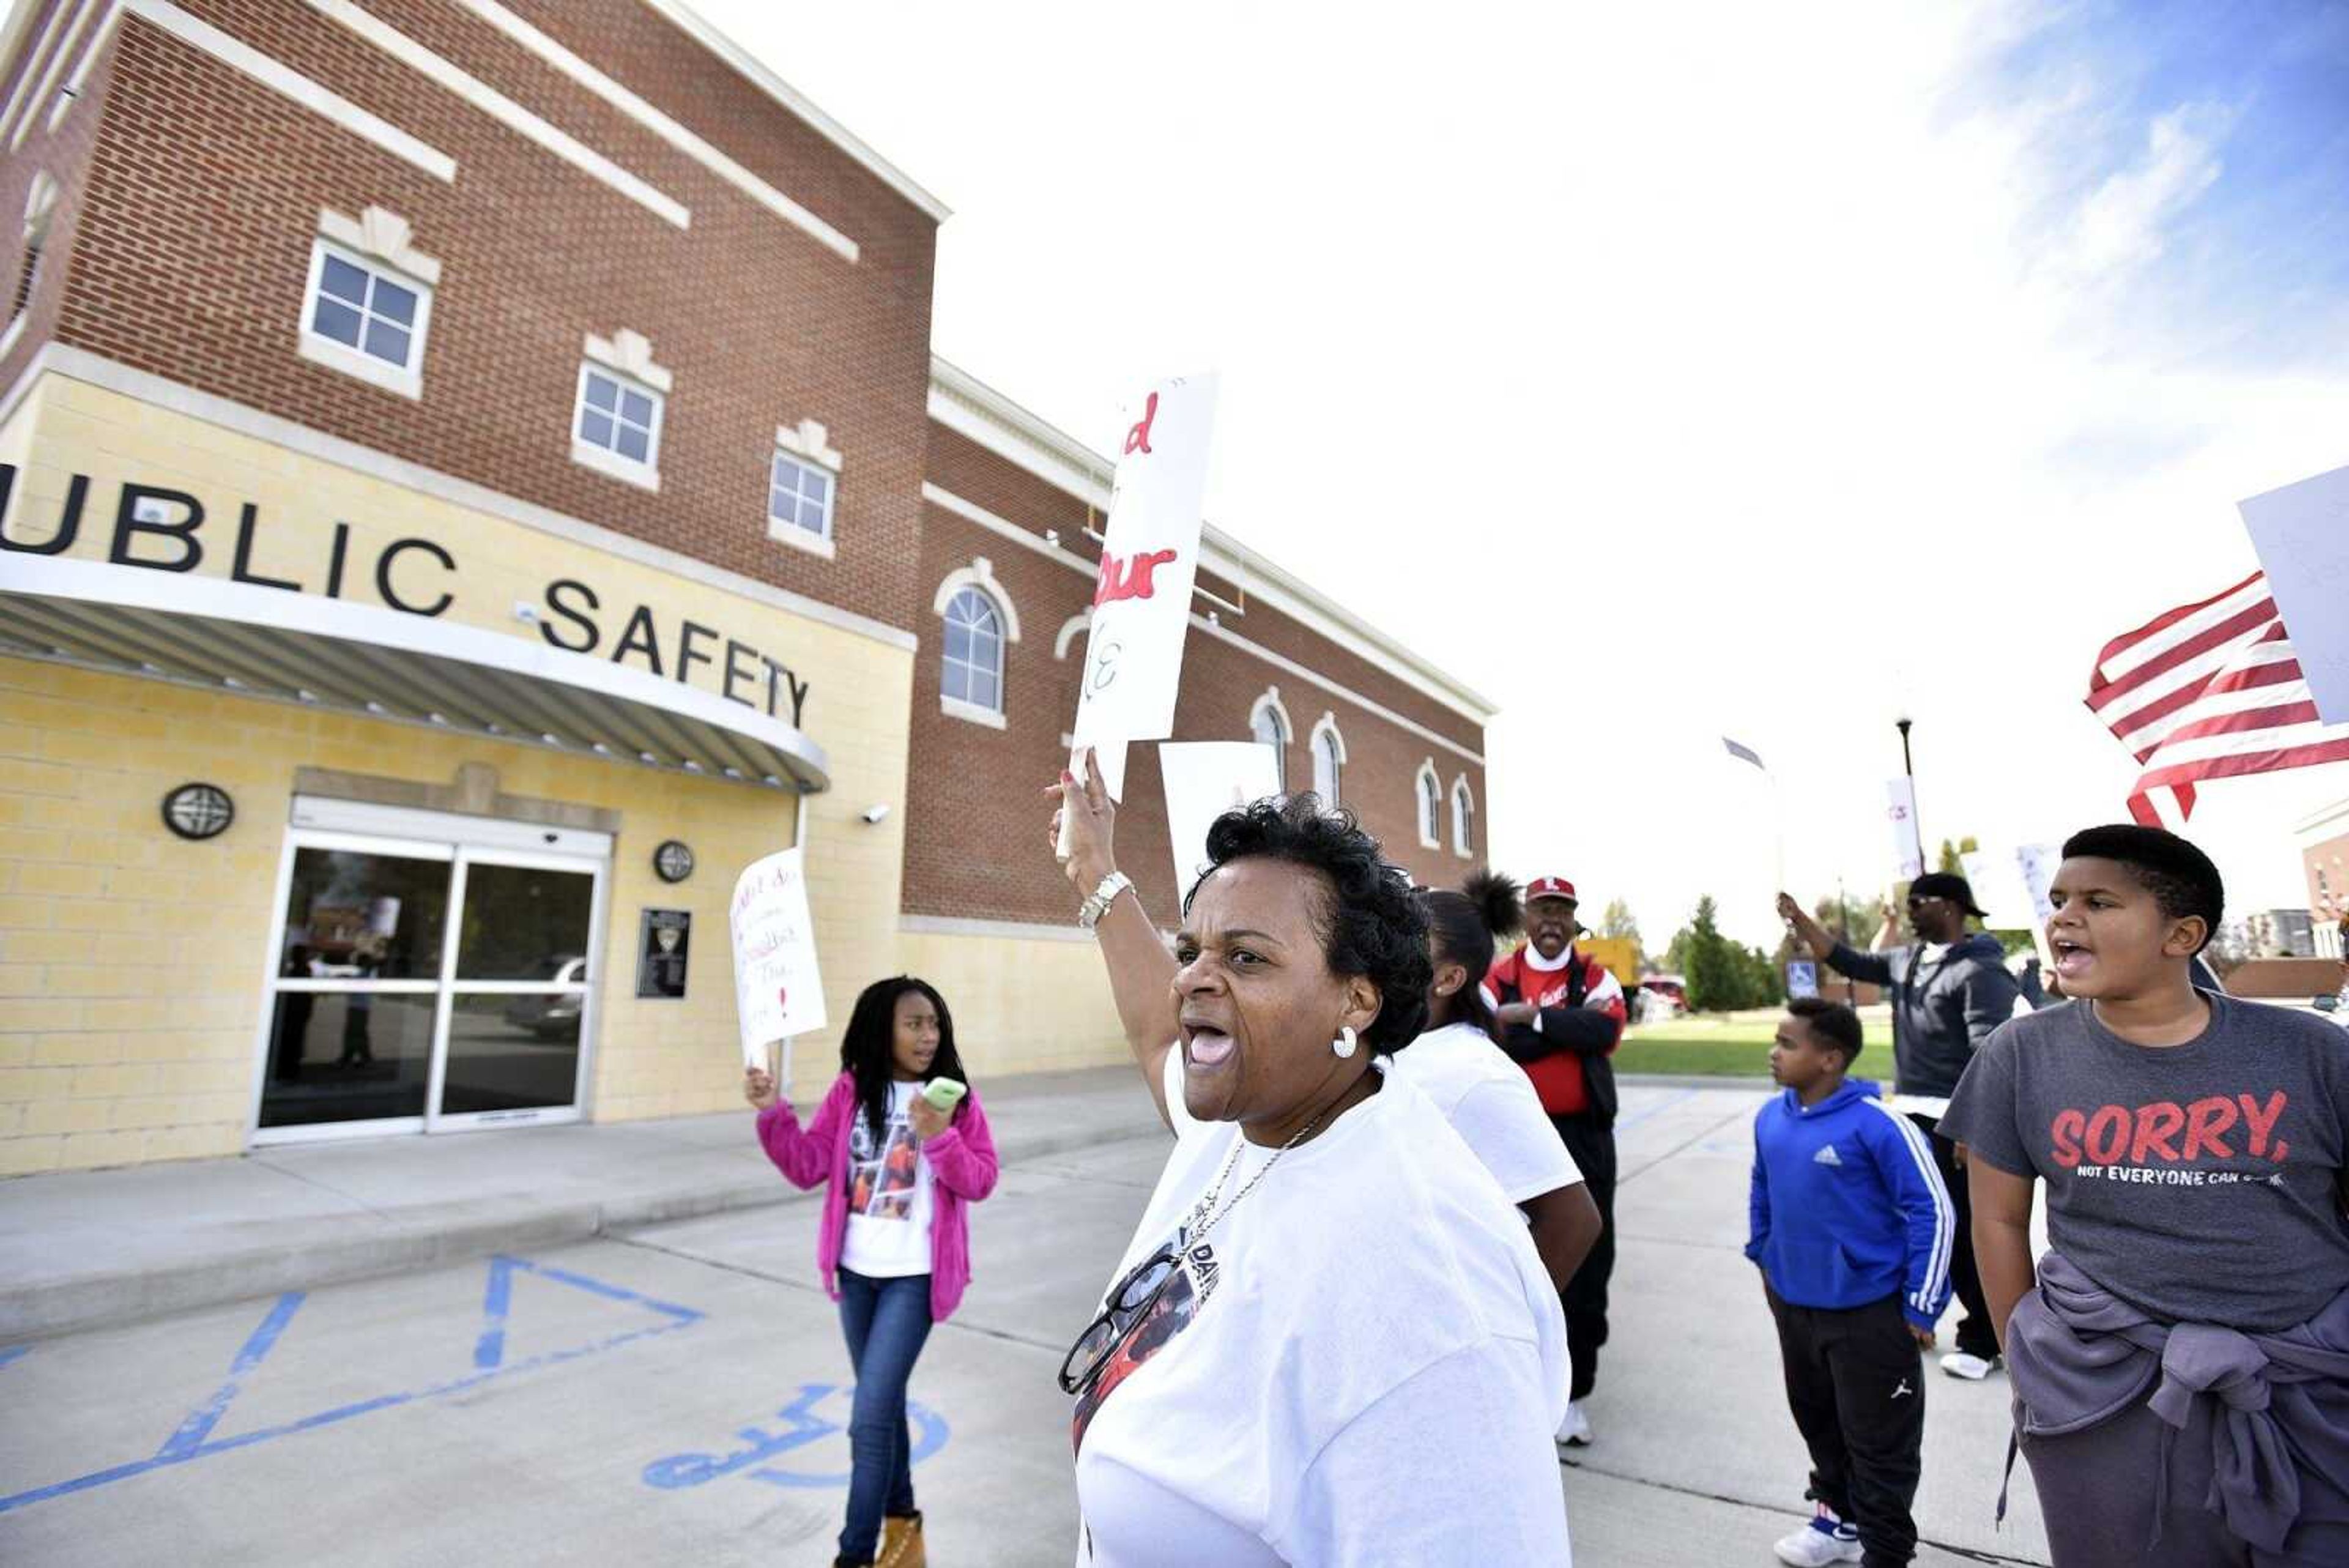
1908	851
778	992
2302	534
2037	863
1203	779
1150	556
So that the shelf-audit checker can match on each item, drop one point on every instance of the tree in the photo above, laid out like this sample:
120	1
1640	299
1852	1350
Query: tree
1721	975
1953	855
1619	921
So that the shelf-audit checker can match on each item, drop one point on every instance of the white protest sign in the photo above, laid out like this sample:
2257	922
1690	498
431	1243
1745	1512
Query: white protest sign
2037	862
1998	886
2302	534
1150	556
1203	779
1908	852
777	991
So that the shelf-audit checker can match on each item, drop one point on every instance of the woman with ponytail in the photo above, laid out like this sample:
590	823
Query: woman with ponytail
1486	1097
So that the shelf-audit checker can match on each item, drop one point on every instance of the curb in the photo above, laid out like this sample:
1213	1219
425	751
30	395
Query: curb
424	1237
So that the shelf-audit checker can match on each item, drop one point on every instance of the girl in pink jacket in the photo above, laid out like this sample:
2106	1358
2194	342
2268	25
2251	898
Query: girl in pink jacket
895	1245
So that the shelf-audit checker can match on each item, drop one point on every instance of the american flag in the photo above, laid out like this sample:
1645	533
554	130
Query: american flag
2209	690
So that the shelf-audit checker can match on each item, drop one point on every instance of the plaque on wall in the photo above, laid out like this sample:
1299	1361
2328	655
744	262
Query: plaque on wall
663	938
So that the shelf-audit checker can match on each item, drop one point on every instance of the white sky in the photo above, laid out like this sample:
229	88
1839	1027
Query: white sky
1661	371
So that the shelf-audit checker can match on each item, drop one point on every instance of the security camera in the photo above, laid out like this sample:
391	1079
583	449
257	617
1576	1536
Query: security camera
876	814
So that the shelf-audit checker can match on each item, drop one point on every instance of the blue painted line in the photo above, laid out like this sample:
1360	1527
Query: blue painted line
1657	1109
496	1299
201	1420
931	1436
175	1453
13	1352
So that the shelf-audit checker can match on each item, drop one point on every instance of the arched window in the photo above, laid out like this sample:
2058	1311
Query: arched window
980	619
1430	807
1269	726
1463	818
1328	759
972	669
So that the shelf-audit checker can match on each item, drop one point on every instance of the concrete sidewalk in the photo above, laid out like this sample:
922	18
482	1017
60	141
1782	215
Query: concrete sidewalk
84	1248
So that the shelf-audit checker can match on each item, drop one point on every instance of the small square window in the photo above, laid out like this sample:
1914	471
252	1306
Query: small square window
367	319
617	430
798	496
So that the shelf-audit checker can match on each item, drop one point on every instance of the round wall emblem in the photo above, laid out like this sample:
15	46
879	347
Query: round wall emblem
673	861
198	811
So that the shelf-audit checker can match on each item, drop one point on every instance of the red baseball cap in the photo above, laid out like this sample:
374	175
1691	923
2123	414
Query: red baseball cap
1550	887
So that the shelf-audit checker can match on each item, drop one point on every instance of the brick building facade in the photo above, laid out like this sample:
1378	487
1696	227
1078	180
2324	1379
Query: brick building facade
490	441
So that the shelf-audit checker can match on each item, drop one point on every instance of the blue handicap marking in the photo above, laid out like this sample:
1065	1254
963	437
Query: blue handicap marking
192	1440
803	1426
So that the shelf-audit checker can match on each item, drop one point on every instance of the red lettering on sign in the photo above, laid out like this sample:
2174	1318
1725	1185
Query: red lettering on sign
2156	1124
2205	1120
1128	579
2107	1137
2067	1129
1138	438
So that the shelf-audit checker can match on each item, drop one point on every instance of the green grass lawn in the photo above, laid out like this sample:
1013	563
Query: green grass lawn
1701	1046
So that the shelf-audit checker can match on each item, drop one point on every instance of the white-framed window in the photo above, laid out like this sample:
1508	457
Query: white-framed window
803	487
1429	792
980	622
1463	818
616	425
1269	726
367	306
1328	761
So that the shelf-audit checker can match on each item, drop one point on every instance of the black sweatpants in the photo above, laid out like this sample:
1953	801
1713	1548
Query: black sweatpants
1856	1383
1975	1334
1591	1142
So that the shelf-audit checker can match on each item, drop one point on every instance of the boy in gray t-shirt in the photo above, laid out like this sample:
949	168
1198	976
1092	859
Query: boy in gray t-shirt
2193	1148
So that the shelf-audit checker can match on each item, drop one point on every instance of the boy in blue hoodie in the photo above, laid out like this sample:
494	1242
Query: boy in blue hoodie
1853	1229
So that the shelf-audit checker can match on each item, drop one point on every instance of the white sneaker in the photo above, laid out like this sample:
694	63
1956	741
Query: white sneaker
1973	1369
1575	1431
1823	1541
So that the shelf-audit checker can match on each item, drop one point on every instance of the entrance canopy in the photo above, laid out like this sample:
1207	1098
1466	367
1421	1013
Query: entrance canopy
360	658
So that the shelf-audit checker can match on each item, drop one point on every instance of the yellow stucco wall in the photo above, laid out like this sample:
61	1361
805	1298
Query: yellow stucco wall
133	963
1020	1004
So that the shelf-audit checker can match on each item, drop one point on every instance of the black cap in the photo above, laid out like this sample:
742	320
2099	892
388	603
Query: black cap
1946	885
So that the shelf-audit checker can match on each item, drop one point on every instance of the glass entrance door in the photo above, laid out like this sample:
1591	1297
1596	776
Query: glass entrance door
428	986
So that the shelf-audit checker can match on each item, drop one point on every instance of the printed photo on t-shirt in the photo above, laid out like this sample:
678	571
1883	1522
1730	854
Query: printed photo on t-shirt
881	1177
1167	1315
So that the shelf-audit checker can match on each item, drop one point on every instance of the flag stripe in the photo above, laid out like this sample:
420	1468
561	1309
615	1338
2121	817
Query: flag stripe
2157	636
2234	628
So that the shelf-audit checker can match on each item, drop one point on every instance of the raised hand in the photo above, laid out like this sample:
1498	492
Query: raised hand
758	1087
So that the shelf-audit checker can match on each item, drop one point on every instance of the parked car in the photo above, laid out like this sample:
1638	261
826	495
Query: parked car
552	1015
1661	996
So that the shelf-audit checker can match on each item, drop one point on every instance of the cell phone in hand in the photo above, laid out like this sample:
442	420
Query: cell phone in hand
945	1093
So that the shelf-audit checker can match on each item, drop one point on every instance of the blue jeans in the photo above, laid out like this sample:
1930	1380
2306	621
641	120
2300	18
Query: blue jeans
886	1321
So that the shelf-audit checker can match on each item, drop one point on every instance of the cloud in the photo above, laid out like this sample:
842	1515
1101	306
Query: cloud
2122	227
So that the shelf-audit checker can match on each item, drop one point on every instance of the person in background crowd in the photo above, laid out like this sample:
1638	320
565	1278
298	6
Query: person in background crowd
1332	1342
1560	1016
1482	1093
1851	1226
1947	993
2180	1360
894	1245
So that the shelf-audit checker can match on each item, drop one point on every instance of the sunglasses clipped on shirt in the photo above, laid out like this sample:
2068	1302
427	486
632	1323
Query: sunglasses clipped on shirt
1125	1306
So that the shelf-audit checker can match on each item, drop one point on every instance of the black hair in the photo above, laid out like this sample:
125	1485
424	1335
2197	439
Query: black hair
867	1047
1466	925
2182	880
1371	924
1836	1025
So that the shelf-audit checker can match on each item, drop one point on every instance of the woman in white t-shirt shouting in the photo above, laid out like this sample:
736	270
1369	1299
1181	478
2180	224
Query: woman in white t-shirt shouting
894	1247
1330	1340
1486	1097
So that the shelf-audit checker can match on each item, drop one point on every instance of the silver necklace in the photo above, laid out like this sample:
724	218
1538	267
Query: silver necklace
1194	1227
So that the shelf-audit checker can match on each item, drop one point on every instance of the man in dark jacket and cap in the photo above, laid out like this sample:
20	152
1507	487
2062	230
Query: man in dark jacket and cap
1948	989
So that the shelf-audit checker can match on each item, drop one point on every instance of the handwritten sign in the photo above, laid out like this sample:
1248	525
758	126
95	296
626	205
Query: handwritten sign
2302	534
777	991
1908	851
1203	779
1150	558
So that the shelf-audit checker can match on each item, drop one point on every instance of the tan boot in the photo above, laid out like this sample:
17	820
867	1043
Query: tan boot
901	1542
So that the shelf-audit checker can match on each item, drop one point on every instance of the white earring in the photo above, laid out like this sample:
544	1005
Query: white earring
1343	1047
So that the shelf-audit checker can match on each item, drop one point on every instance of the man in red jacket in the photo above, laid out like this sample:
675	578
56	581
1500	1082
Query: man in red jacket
1561	1016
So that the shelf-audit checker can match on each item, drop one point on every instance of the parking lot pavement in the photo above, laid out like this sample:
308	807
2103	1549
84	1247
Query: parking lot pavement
678	1395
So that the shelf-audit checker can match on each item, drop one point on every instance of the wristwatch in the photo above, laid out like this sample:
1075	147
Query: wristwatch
1089	912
